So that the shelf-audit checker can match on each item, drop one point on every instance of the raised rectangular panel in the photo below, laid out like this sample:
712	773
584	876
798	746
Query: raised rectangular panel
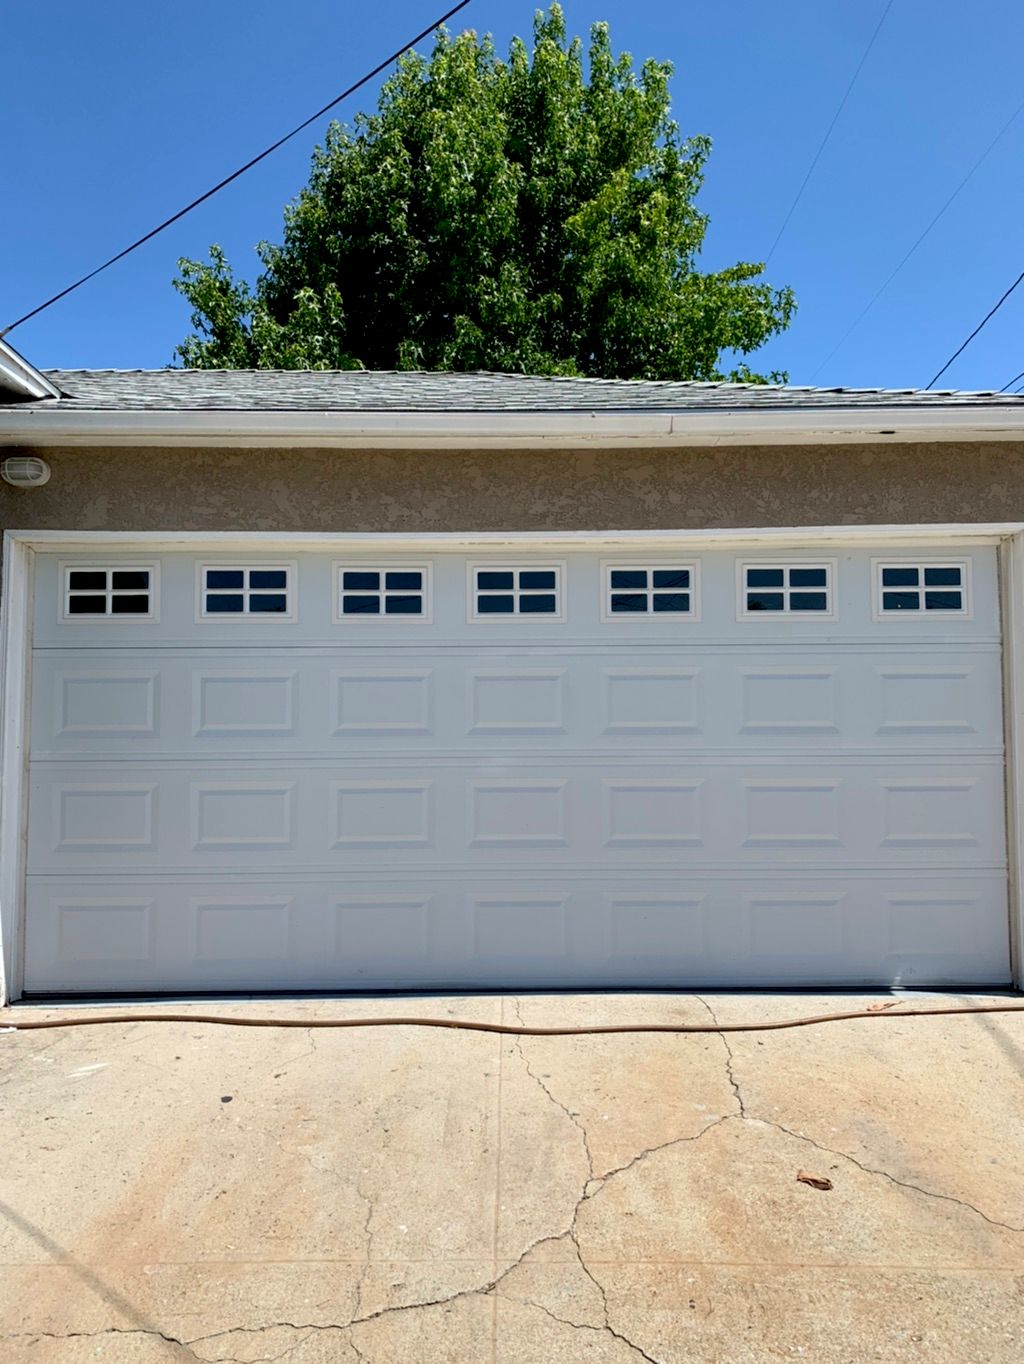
798	813
519	701
933	923
382	926
242	815
518	926
106	703
782	700
795	925
379	702
652	813
925	813
243	701
104	930
925	701
382	814
241	929
651	700
523	814
657	925
105	816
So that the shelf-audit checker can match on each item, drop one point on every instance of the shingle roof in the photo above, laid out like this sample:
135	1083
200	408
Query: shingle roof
105	390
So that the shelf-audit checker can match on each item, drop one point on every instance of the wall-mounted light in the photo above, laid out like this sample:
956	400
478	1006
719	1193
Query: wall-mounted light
25	471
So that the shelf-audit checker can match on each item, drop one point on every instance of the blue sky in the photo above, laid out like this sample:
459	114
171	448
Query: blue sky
120	113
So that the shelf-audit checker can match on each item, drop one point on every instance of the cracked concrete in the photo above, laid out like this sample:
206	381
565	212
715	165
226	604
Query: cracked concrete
180	1193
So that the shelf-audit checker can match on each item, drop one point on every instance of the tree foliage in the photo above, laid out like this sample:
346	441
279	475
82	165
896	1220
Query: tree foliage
530	215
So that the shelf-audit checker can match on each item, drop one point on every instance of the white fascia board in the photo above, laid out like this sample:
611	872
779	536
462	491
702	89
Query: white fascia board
49	425
17	376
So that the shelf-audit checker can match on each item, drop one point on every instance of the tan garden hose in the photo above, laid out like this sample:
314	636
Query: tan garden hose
13	1021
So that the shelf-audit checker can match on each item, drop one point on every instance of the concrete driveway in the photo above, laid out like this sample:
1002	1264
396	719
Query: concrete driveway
177	1192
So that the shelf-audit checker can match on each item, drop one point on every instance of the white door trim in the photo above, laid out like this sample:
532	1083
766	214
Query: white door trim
15	649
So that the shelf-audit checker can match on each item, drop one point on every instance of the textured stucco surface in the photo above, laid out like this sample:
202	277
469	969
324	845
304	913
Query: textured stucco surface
180	1192
338	490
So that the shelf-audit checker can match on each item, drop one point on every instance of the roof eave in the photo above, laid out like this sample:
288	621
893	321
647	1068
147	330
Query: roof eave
49	425
20	379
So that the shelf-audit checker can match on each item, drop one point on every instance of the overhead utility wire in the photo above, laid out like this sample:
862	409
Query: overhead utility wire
990	314
864	312
828	131
1012	381
242	169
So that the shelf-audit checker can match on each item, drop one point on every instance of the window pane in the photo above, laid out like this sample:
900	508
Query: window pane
671	577
487	578
629	601
360	580
494	606
403	606
131	578
765	577
130	605
808	577
260	603
538	605
808	601
537	578
943	601
764	601
629	577
87	606
225	577
671	601
899	577
901	601
942	577
405	580
218	603
361	606
87	579
268	577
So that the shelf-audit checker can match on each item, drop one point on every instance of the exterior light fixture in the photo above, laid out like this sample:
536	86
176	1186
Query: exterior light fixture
25	471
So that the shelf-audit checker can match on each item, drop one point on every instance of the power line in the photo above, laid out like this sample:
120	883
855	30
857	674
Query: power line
990	314
864	312
241	170
828	131
1012	381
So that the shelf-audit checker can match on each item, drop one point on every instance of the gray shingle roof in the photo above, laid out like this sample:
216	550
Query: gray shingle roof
105	390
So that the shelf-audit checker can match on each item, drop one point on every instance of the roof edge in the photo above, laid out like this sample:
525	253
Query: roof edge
48	425
22	380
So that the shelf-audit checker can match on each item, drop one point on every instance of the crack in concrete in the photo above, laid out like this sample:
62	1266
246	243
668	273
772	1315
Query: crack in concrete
600	1330
368	1233
730	1075
573	1117
884	1174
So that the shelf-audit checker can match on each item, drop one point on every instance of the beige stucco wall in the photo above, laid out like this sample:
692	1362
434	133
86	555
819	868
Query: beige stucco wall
339	490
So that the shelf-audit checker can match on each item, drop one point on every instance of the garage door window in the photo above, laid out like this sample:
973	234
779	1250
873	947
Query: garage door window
95	592
921	589
507	590
233	590
383	591
788	589
647	590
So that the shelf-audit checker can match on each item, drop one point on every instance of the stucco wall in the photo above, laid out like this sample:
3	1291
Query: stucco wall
337	490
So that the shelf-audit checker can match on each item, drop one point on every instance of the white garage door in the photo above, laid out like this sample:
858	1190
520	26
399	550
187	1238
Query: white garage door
566	769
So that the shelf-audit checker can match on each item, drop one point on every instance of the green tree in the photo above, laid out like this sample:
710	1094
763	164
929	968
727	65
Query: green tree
531	215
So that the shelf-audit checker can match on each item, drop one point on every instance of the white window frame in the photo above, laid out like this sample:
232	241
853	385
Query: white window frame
288	616
382	566
610	617
517	566
878	612
66	567
831	567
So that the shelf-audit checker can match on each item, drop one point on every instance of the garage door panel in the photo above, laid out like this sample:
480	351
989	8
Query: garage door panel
635	931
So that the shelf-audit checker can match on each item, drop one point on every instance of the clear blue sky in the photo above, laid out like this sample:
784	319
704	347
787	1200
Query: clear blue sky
119	113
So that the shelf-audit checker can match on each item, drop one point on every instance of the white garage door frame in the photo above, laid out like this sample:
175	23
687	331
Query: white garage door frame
16	649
